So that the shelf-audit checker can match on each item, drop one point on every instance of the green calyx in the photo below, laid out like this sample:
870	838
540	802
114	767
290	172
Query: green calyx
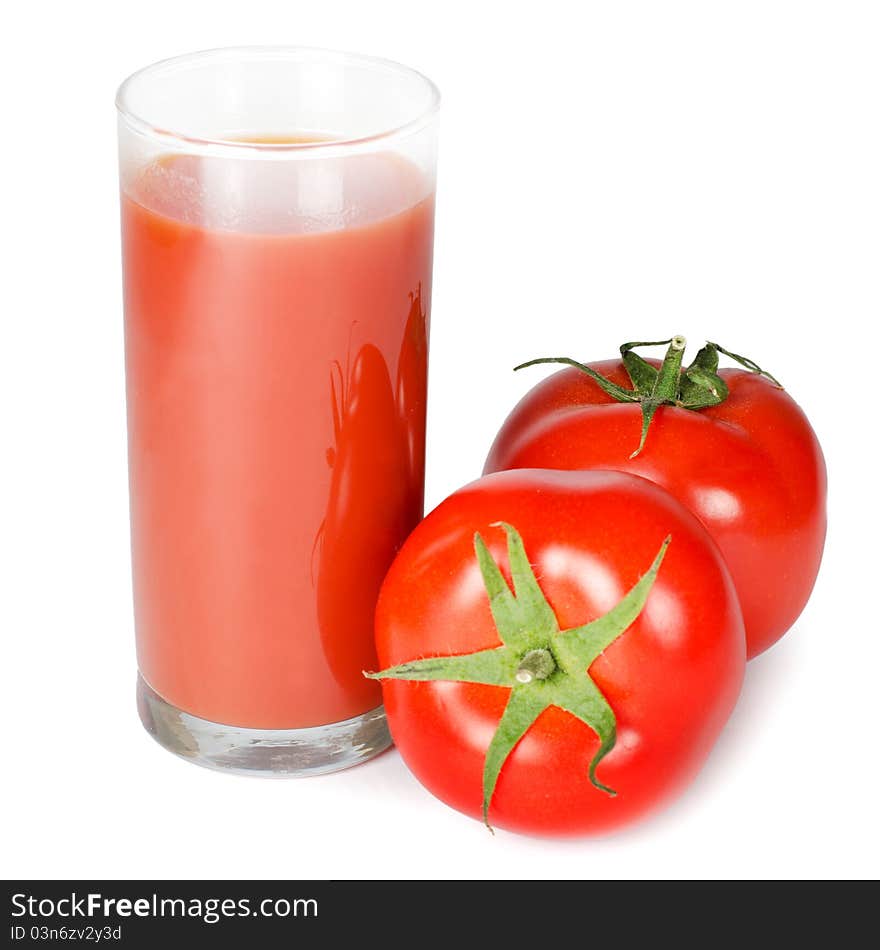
540	664
694	387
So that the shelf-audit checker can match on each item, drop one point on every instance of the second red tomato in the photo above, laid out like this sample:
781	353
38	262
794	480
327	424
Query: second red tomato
750	469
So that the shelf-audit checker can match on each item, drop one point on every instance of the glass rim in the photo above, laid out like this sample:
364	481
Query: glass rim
143	126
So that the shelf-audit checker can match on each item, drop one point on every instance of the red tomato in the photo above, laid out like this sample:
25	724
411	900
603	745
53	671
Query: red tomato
670	678
750	469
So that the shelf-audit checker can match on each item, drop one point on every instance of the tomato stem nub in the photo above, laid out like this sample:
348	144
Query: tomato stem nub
535	665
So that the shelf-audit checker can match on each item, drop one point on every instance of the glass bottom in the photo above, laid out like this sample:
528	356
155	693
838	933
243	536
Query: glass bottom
263	752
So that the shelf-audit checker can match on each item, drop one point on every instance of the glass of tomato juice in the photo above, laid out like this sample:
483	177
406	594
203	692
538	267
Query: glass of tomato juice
277	232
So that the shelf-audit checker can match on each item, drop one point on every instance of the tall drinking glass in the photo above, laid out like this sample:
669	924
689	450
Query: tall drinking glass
277	230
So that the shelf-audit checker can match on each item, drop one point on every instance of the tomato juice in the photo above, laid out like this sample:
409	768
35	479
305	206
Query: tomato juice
276	362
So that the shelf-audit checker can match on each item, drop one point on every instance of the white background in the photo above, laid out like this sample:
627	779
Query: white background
609	171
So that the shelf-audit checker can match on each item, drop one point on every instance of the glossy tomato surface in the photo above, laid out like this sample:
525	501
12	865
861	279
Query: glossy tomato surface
671	678
750	469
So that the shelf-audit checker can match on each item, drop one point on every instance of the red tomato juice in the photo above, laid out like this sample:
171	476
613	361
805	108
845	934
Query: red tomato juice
276	367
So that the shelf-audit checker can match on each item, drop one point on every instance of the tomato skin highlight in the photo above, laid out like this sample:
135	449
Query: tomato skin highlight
672	678
751	469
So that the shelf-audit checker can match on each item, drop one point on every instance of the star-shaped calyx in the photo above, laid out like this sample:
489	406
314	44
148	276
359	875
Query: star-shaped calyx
696	387
540	664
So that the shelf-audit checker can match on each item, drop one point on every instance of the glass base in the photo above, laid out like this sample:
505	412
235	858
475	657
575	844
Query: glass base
263	752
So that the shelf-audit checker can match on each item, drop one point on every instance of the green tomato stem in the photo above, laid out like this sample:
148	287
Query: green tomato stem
696	387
